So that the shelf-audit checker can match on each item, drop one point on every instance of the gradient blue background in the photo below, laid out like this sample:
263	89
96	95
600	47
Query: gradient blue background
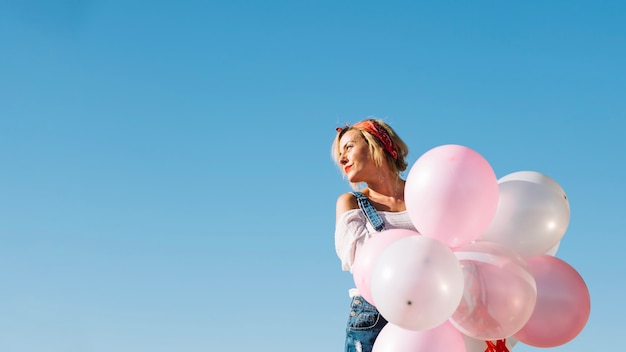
165	173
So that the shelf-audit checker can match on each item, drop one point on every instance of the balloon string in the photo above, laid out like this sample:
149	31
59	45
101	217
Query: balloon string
499	346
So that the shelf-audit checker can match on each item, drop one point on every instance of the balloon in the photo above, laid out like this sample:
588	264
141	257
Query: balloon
367	255
417	283
532	214
499	293
475	345
533	177
444	337
563	303
451	194
552	251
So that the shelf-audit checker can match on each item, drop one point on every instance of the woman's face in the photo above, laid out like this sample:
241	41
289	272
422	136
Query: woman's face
354	157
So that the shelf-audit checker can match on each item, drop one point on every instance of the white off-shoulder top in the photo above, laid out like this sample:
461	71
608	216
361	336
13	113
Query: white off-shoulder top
353	229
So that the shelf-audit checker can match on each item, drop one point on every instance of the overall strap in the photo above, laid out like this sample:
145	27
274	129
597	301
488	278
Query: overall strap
369	211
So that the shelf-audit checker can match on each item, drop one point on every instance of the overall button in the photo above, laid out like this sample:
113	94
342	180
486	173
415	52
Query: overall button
353	314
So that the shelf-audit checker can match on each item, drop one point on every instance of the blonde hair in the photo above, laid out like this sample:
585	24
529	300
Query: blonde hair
377	150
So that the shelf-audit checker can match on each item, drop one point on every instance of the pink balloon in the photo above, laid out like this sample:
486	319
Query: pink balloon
417	283
367	255
444	337
451	194
563	303
499	292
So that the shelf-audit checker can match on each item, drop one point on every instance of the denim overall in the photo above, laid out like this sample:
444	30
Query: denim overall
364	322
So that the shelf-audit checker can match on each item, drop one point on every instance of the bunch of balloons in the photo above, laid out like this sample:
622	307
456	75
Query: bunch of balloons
481	273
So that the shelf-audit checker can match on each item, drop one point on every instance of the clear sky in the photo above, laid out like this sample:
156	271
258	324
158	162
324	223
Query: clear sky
166	181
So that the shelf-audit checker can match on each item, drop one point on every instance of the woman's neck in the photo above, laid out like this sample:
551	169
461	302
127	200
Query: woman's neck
387	196
387	188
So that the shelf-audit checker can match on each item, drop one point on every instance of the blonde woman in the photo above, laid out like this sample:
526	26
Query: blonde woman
372	157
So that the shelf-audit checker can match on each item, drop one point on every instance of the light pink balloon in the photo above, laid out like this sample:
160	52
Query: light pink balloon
417	283
444	337
499	293
368	253
563	303
451	194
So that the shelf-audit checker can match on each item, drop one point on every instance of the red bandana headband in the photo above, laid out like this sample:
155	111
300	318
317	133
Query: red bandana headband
380	133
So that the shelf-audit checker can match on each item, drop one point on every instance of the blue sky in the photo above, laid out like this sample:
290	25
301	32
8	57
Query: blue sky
166	178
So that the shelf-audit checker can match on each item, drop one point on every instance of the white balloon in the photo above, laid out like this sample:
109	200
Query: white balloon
534	177
417	282
532	215
552	251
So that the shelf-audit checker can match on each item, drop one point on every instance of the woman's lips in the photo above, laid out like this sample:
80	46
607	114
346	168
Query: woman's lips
345	169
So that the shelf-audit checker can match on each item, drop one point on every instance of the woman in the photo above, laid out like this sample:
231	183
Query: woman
369	153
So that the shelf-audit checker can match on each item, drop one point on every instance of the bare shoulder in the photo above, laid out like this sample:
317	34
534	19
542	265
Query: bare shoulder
346	202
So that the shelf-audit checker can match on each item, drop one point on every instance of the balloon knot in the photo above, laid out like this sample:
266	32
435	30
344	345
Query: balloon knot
498	346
